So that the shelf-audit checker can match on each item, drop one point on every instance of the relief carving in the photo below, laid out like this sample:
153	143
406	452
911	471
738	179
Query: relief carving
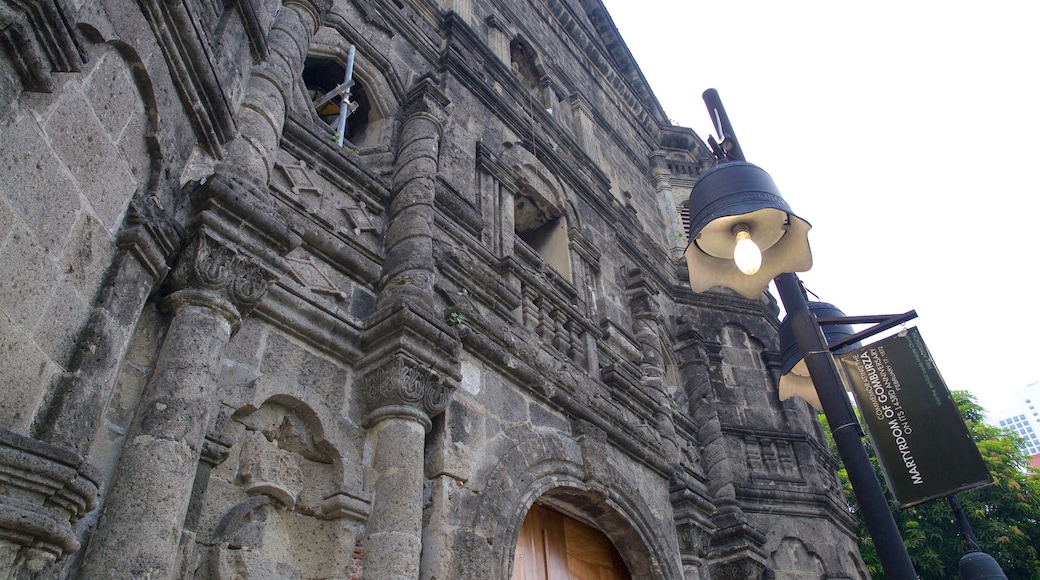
329	203
264	469
309	274
210	264
402	382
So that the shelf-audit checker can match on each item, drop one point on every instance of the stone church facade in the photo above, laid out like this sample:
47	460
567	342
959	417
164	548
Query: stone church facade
232	348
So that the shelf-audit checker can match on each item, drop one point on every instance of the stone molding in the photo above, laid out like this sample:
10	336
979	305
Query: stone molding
198	86
39	38
44	489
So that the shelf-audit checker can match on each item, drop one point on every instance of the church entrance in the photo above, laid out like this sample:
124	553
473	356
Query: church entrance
553	546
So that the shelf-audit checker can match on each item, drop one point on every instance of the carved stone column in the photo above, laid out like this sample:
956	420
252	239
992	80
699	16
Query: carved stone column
411	364
400	398
46	485
735	546
261	116
646	323
408	269
139	531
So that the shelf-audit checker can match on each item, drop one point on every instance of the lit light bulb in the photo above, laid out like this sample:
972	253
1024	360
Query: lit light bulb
746	253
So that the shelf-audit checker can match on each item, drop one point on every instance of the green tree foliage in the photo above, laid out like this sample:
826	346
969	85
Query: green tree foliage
1005	516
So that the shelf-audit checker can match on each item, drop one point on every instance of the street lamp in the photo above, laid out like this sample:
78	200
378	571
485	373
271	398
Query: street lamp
736	200
794	376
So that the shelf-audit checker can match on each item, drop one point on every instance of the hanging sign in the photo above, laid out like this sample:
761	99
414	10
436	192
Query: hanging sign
920	439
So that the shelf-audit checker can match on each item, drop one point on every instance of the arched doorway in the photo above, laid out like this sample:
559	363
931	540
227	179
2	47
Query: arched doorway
553	546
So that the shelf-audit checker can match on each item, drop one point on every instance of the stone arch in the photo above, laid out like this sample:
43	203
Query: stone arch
147	166
573	216
549	469
639	541
306	426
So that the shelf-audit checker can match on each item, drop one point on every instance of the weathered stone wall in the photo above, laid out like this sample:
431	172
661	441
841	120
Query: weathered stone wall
230	348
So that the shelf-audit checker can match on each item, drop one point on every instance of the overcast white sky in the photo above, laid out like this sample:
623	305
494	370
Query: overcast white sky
907	133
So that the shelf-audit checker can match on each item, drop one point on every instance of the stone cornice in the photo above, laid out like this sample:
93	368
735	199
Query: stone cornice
420	32
44	489
560	385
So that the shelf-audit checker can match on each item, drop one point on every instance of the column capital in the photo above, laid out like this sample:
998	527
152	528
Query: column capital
46	490
425	98
215	273
404	387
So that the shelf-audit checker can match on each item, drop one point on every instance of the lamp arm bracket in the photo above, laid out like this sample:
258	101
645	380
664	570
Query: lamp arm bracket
882	322
728	149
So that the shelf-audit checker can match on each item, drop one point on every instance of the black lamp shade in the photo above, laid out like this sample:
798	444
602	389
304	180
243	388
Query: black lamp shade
794	376
979	566
735	193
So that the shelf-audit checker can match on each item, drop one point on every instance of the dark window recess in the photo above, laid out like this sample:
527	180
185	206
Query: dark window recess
322	75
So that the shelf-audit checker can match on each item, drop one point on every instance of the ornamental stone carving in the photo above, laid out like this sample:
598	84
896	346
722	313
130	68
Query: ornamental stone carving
402	384
208	263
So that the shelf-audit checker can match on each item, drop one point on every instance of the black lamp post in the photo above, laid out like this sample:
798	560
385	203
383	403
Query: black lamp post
736	201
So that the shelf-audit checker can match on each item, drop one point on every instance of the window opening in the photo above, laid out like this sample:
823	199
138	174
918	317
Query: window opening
543	228
522	62
336	95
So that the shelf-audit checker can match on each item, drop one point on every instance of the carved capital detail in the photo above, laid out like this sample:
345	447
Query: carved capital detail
209	263
403	383
425	98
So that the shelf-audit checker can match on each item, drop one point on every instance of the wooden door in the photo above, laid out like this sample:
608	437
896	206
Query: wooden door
552	546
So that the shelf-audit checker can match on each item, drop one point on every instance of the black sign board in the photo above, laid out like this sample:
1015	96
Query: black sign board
920	439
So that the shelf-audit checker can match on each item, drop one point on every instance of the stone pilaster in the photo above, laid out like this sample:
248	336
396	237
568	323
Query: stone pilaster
585	128
663	185
464	8
498	39
139	531
647	327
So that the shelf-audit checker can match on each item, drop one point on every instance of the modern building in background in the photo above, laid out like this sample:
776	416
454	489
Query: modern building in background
460	345
1024	418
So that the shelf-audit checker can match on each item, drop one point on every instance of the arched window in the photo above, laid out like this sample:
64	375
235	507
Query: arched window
322	76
